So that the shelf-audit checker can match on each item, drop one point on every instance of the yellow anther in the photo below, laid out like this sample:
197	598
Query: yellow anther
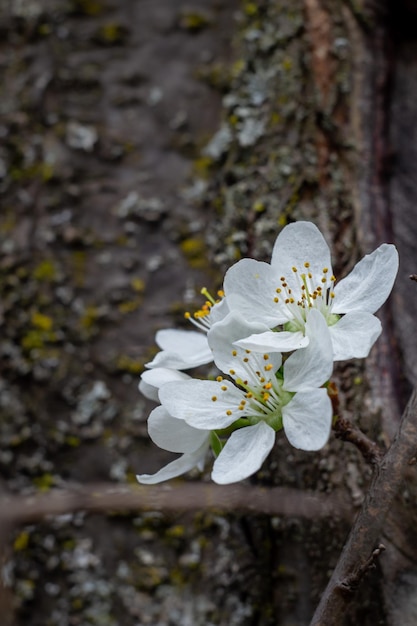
276	300
219	379
287	301
333	278
310	275
332	294
294	269
268	367
232	372
278	290
306	264
223	388
247	351
325	270
214	398
220	293
266	357
291	300
234	352
266	397
262	379
245	360
228	412
187	315
282	279
268	385
324	280
249	395
284	284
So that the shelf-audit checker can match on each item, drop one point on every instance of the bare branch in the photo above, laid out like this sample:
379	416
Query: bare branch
345	430
180	497
367	529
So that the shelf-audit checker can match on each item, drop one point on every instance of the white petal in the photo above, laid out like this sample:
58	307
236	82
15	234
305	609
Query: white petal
224	334
173	434
219	311
354	335
181	349
244	452
152	380
183	464
149	391
307	419
369	283
193	402
300	243
311	366
271	341
250	286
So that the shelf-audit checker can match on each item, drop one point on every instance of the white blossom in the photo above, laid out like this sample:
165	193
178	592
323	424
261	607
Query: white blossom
300	278
264	397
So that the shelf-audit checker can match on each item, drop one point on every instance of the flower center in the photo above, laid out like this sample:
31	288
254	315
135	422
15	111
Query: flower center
263	394
201	318
306	292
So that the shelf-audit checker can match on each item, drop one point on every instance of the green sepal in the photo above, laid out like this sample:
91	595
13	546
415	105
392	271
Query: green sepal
215	443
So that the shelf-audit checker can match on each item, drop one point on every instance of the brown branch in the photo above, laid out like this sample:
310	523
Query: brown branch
389	474
181	497
345	430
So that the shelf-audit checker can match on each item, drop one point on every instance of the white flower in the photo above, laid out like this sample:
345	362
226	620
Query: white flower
184	349
175	435
264	399
300	278
152	380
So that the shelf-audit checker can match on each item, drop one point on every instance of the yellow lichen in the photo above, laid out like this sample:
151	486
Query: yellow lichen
45	271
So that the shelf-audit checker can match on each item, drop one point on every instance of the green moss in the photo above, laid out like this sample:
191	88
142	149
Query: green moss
89	318
79	260
111	33
88	7
44	482
125	363
128	306
203	166
42	322
45	271
138	285
194	21
36	339
21	542
194	248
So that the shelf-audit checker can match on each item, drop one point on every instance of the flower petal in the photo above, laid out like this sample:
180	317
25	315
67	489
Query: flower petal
222	337
149	391
369	283
181	349
173	434
307	419
250	286
219	311
203	403
183	464
354	335
271	341
311	366
244	452
152	380
297	244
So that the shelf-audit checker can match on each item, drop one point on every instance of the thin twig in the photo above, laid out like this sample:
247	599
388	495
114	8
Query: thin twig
180	497
345	430
389	474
